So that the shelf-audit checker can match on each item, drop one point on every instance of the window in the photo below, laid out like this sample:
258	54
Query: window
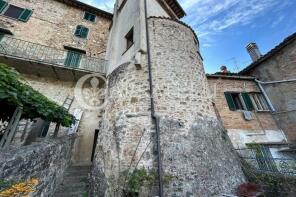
81	31
90	17
3	5
73	59
15	12
129	39
239	101
259	102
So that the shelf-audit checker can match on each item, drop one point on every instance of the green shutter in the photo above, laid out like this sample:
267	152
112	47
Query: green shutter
3	5
78	31
84	32
73	59
25	15
247	101
230	101
81	31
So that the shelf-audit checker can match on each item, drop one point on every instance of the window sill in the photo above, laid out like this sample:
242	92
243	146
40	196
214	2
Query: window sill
263	111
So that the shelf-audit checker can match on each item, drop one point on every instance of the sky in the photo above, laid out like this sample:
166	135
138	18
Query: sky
225	27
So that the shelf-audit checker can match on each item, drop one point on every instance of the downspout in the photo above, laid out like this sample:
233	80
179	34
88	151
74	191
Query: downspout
153	115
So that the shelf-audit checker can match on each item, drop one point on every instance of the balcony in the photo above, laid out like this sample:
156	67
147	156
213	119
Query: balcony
44	61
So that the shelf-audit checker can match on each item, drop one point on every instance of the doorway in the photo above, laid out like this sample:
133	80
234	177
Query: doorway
94	144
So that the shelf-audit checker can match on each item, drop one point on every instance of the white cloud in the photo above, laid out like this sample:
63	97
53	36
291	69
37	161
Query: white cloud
106	5
210	17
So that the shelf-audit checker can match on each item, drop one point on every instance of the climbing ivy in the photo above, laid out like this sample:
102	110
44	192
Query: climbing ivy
16	93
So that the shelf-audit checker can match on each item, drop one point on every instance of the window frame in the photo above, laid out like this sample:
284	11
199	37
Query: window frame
259	102
20	15
82	26
6	9
130	34
73	59
244	103
84	14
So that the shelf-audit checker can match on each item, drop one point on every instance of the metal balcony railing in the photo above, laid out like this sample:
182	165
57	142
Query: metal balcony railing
14	47
269	164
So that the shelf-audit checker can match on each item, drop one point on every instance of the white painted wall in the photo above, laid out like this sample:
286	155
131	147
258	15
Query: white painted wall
131	15
154	9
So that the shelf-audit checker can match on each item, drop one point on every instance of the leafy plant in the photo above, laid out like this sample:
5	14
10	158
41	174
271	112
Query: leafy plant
34	104
142	177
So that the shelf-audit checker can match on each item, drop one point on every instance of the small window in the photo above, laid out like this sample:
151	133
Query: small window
81	31
259	102
18	13
239	101
13	11
90	17
129	39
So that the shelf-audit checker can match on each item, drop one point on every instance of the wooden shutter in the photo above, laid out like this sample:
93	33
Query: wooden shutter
25	15
84	32
78	30
3	5
73	59
247	101
230	101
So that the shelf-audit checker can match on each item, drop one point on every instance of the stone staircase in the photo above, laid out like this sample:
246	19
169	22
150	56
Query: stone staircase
75	183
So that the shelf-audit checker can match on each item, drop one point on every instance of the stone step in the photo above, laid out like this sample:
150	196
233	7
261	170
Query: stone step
75	179
75	182
71	194
69	189
80	168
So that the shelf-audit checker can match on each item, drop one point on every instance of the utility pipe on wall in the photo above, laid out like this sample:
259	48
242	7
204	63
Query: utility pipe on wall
153	114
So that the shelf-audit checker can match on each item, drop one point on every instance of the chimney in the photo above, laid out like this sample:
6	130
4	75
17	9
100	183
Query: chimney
253	51
223	69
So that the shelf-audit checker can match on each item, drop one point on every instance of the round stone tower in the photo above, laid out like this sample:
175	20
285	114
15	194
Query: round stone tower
195	149
196	155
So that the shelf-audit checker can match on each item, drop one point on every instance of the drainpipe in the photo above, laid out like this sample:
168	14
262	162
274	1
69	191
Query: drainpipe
153	115
273	111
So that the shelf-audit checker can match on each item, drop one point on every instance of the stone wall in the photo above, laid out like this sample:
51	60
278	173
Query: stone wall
126	132
44	161
194	148
58	91
281	66
53	24
196	153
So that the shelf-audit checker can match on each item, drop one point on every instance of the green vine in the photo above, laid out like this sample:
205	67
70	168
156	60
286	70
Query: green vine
142	177
34	104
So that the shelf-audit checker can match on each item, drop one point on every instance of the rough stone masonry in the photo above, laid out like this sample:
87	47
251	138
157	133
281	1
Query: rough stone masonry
196	152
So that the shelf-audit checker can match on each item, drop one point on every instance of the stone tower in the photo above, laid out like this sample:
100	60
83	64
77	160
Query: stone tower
158	111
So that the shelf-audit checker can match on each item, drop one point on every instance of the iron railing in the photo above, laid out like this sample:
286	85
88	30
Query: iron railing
267	163
14	47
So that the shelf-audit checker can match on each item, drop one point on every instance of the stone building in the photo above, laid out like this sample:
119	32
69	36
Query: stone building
275	72
52	43
244	112
159	114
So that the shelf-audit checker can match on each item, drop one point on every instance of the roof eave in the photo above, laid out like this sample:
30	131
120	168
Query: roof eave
87	7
